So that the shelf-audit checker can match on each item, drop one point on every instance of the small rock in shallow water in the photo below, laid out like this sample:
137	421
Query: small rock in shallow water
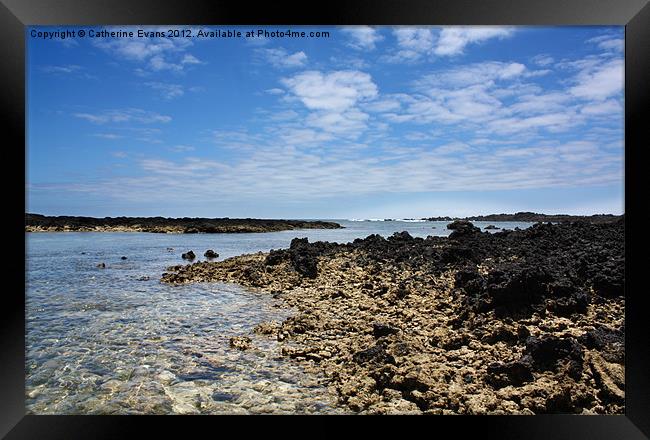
102	265
210	254
123	258
188	255
267	328
223	397
240	342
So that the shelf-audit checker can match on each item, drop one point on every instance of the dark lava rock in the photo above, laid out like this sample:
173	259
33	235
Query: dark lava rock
462	228
379	330
457	254
305	264
188	255
302	255
304	258
210	254
223	397
501	334
376	354
516	289
547	352
102	265
491	227
123	258
275	257
610	283
609	342
403	236
501	374
566	306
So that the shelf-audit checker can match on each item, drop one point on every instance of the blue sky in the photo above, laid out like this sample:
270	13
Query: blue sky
368	123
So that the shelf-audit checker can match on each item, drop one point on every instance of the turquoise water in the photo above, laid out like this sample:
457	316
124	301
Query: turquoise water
115	340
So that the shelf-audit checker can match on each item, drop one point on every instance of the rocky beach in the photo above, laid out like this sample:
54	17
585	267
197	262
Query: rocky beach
524	321
186	225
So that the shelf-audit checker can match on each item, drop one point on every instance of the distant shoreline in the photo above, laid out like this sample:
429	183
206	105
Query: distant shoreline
187	225
42	223
533	217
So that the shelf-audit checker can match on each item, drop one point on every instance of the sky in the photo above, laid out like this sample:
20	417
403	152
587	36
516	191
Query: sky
367	122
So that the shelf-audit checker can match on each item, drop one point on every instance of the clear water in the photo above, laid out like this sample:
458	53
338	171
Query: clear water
117	341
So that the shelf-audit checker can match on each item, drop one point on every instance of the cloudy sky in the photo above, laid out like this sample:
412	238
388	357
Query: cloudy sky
370	122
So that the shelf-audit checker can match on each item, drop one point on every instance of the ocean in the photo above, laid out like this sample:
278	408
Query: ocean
115	340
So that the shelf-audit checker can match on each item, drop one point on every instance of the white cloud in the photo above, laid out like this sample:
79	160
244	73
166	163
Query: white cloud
190	59
236	139
412	44
600	81
167	91
362	37
280	58
288	172
333	91
157	54
452	40
608	43
478	73
110	136
349	121
181	148
383	105
333	99
543	60
274	91
70	68
609	107
125	115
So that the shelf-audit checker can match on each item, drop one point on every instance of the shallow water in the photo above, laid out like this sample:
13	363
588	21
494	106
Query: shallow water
117	341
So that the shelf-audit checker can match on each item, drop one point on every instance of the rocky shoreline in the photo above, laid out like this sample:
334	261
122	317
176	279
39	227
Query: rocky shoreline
41	223
514	322
533	217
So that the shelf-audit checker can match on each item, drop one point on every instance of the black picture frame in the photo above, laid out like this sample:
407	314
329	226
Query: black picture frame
634	14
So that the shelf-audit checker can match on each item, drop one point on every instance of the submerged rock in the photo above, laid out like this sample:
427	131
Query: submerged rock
240	342
188	255
210	254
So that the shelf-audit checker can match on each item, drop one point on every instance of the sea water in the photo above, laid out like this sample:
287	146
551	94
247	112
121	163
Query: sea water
116	340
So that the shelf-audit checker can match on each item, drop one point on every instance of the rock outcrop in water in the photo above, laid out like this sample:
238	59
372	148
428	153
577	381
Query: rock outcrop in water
41	223
512	322
210	254
188	255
